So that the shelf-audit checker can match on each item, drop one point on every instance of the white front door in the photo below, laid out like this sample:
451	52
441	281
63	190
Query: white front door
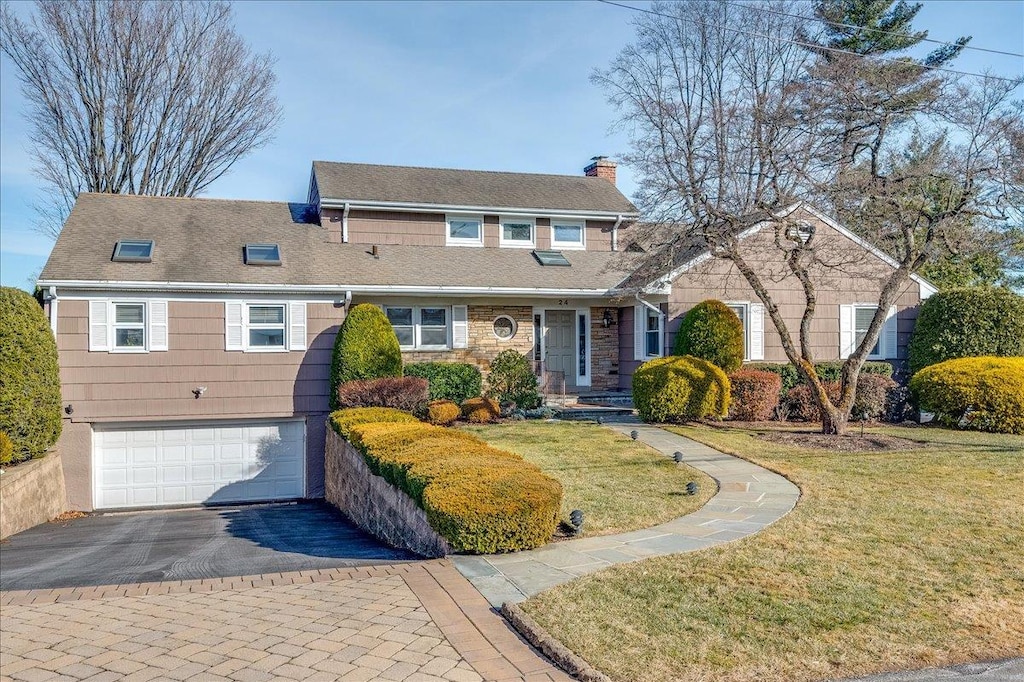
240	462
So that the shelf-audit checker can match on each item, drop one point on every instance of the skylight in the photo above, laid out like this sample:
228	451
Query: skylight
133	251
262	254
551	258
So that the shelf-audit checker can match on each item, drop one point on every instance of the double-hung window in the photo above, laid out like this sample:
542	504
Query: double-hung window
266	325
129	326
420	327
517	232
567	234
862	316
652	333
465	230
741	310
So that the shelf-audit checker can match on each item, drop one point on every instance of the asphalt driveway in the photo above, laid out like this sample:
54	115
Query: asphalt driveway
186	544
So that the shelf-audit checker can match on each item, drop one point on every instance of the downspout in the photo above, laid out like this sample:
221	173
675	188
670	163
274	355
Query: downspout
347	302
344	228
615	232
51	298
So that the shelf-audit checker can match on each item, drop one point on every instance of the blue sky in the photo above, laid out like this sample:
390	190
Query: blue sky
490	85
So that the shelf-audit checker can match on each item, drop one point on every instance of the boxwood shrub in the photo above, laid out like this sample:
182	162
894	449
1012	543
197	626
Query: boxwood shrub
679	389
481	410
455	381
480	498
365	348
30	404
971	322
6	449
984	394
442	412
344	420
511	380
713	332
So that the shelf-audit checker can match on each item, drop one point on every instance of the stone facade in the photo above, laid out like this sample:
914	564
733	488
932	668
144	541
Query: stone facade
604	350
483	344
31	493
373	504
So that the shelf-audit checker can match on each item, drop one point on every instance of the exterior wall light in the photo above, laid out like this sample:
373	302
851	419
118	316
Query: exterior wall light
608	320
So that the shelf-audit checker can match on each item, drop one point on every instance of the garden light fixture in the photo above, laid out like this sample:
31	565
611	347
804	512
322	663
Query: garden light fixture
576	519
691	488
678	457
634	434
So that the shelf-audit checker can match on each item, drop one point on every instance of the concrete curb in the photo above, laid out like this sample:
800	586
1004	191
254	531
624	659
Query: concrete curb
557	653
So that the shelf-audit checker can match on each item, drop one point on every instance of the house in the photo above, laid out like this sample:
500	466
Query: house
195	335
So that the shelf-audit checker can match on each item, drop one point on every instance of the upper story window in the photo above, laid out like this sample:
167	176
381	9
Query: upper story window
262	254
266	327
133	251
465	230
566	234
129	326
420	327
517	232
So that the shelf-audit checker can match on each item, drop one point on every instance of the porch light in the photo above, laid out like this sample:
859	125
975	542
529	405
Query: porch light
678	457
576	519
691	488
607	320
634	434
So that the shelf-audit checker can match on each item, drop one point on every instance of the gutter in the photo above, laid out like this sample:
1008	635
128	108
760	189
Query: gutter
404	206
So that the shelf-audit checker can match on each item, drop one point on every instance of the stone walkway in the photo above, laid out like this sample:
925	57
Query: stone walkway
417	622
748	500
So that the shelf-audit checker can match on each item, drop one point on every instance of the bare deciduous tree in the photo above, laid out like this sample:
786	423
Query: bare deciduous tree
732	120
136	96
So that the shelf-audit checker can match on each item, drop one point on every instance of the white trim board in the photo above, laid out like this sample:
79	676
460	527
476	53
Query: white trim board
404	206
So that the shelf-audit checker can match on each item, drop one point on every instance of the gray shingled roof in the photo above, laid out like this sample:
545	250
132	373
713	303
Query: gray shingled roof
450	187
201	240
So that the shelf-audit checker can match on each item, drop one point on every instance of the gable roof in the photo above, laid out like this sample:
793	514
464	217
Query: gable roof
198	245
448	188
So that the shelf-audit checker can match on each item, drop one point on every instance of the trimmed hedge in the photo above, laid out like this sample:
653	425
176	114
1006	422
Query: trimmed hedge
481	410
972	322
828	371
801	404
511	380
711	331
873	400
6	449
455	381
479	498
983	394
442	412
365	348
755	395
30	401
401	393
344	420
680	389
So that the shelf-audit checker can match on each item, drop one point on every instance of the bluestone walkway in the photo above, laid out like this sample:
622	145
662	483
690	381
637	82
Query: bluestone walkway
749	499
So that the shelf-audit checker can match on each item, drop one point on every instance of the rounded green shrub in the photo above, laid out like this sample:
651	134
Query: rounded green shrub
365	348
455	381
677	389
29	376
511	379
711	331
970	322
983	394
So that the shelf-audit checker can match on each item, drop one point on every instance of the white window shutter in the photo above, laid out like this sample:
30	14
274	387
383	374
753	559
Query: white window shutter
460	326
639	332
847	336
158	328
756	322
296	326
234	326
99	325
889	343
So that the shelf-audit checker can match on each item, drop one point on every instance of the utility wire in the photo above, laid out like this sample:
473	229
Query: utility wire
802	43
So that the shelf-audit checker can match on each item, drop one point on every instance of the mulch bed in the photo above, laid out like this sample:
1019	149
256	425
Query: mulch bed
851	442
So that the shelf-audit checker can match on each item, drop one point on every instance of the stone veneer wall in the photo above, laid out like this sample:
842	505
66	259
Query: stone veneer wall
604	351
31	493
483	344
373	504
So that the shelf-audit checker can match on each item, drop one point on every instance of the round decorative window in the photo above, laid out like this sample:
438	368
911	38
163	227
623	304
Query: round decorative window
504	327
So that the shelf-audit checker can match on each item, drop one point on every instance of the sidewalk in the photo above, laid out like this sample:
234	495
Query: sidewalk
749	499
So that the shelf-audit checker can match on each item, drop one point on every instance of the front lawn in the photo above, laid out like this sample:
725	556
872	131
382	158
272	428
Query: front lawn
891	560
619	484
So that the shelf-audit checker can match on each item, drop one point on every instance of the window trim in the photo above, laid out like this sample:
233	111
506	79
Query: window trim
417	327
113	326
459	241
580	245
517	243
247	325
745	321
248	260
515	327
880	355
118	258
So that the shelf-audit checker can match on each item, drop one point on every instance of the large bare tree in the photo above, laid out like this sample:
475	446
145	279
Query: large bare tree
733	119
136	96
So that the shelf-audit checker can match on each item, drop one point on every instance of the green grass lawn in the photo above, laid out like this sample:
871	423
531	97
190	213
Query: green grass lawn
620	485
891	560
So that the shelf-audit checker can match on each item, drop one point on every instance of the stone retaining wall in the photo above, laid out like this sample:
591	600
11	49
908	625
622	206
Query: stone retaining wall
31	493
373	504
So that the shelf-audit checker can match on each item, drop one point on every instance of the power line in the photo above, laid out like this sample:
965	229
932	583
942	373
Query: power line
800	42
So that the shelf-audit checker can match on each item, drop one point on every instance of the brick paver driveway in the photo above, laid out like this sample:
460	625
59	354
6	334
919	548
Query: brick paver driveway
408	622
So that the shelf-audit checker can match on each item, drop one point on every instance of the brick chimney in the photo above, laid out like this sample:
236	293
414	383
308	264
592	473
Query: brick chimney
601	167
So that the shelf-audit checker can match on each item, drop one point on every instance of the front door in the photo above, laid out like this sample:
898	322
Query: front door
559	347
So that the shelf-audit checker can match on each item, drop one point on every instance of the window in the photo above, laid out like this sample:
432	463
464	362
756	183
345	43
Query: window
582	355
133	251
741	312
652	333
465	230
266	327
567	235
262	254
552	258
130	326
517	232
423	328
504	327
862	316
538	333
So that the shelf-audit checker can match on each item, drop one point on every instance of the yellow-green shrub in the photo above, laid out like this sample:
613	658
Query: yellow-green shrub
442	412
680	388
344	420
6	449
985	394
481	410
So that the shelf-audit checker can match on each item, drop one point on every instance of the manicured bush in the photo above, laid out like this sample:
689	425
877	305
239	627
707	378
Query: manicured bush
984	394
875	395
30	404
511	379
401	393
754	394
801	405
711	331
680	388
481	410
455	381
442	412
972	322
828	371
6	449
344	420
365	348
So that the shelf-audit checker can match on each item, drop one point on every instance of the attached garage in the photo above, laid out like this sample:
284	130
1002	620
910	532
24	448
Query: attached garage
150	466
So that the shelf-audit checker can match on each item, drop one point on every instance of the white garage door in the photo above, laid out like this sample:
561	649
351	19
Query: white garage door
252	461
